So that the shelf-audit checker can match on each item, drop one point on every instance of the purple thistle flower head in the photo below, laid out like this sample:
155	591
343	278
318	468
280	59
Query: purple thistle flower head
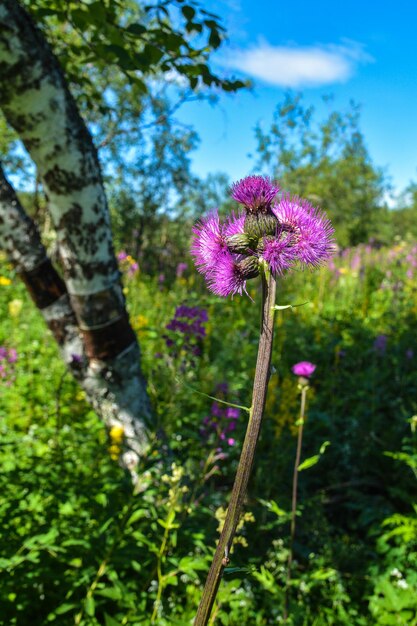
256	193
235	225
311	231
279	253
227	278
209	243
303	368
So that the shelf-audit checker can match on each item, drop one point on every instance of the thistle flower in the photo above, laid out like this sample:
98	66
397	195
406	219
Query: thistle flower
276	235
209	243
279	253
311	231
303	368
256	193
227	278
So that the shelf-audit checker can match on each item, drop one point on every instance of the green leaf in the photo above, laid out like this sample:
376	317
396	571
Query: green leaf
90	606
312	460
136	515
64	608
136	29
110	621
114	593
188	12
282	307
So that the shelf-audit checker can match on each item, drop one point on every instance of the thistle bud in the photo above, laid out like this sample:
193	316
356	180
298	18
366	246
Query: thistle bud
241	243
249	267
260	224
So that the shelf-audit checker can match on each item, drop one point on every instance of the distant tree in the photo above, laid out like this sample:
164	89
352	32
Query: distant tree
328	163
109	52
403	219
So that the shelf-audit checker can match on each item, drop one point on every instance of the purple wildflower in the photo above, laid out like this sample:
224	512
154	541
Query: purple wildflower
311	231
181	268
209	243
220	423
409	353
380	344
186	331
256	193
279	253
122	255
231	252
8	357
228	278
234	225
303	368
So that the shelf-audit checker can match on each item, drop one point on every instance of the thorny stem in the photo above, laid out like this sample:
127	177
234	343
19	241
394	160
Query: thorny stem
260	385
304	389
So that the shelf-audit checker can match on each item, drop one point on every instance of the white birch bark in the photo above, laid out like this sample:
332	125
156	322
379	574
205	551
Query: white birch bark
36	102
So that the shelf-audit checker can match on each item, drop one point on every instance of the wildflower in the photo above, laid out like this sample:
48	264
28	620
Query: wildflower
5	282
279	253
209	243
116	434
228	278
181	268
266	236
409	353
256	193
128	264
186	330
303	368
222	421
380	344
8	357
15	306
312	232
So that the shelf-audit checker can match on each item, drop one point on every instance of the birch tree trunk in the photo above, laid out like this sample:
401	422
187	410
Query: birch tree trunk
37	103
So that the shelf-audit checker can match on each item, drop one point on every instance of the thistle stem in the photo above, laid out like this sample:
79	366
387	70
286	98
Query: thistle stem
304	390
260	385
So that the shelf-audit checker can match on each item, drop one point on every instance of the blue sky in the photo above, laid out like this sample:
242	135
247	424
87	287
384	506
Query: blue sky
365	51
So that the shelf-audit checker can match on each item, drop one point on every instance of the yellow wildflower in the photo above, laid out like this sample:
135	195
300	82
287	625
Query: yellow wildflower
116	434
139	322
4	282
15	306
114	452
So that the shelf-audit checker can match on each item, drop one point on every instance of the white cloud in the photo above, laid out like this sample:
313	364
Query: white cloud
297	66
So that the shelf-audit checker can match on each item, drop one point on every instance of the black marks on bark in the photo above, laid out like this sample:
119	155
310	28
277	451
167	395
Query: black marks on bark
44	284
100	309
106	343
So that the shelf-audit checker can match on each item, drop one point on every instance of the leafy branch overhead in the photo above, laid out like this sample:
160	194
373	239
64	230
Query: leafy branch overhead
139	40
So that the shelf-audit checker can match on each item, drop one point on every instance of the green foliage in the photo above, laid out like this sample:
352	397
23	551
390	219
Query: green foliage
78	547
